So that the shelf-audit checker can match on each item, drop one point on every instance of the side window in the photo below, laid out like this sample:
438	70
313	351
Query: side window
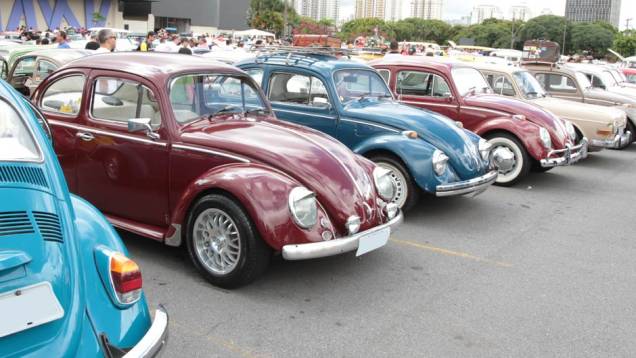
256	74
24	66
64	95
43	69
560	83
502	86
422	84
298	89
5	70
596	81
120	100
386	75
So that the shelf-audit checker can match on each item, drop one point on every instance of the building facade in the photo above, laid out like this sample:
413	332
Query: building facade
520	12
593	10
483	12
370	8
427	9
393	11
318	9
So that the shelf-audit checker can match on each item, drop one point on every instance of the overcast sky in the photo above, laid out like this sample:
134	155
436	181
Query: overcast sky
455	9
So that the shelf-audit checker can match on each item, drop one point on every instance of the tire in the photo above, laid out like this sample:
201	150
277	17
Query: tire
632	128
408	193
223	243
523	162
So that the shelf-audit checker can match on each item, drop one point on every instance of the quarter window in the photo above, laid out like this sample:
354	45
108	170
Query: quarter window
386	75
64	95
120	100
43	69
256	74
298	89
501	85
24	66
557	83
426	84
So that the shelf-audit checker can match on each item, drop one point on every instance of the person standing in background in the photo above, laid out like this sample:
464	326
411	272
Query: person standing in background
107	41
61	40
146	45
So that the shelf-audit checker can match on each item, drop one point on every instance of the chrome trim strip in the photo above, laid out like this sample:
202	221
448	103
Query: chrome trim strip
344	119
476	185
305	113
107	133
486	110
209	151
430	104
336	246
155	338
570	156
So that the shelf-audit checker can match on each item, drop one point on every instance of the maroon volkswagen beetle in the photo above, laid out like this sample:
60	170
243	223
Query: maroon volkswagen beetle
523	136
179	149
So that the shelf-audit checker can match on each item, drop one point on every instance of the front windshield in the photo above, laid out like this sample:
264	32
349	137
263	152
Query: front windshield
209	95
16	141
530	87
584	82
359	84
608	79
469	80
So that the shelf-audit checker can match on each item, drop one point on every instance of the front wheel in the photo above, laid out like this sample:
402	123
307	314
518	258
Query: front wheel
406	191
517	162
223	243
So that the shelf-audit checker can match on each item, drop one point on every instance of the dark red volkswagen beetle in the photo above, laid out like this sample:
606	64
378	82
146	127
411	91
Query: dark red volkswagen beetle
178	149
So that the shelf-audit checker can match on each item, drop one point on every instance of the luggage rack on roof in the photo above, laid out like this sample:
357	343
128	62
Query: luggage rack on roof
305	55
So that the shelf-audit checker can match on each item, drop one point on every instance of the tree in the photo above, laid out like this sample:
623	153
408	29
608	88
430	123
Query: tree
592	37
268	15
490	33
547	27
366	27
97	18
625	43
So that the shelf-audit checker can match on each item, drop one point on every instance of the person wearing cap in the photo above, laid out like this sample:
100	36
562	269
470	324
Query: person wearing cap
146	45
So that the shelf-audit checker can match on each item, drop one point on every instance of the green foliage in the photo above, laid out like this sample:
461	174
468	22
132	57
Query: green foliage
593	37
491	33
97	17
625	43
268	15
546	27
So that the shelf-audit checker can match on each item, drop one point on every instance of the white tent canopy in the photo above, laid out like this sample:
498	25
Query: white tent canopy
253	33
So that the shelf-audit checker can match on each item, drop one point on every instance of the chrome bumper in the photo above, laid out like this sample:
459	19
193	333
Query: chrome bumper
333	247
155	339
567	156
474	186
617	142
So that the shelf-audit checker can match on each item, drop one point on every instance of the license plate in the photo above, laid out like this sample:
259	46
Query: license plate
28	307
372	241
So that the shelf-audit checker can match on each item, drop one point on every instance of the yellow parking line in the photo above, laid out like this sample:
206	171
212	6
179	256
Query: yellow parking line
447	252
222	342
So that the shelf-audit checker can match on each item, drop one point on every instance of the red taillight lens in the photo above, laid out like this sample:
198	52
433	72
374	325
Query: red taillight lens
126	278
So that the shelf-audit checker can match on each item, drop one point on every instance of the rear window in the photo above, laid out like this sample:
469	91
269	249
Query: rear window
16	141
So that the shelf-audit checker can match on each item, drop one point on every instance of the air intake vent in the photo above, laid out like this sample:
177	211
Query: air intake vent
22	174
49	226
15	223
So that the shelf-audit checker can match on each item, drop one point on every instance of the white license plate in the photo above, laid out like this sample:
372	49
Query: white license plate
373	241
28	307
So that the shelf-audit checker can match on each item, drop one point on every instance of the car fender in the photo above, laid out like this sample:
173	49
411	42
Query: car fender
261	190
526	131
416	154
93	231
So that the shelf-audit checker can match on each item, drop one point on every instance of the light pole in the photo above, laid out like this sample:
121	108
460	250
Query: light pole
512	32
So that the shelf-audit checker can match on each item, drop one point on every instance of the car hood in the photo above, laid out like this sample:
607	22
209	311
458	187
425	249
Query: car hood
617	98
439	131
314	159
580	111
41	253
534	114
623	90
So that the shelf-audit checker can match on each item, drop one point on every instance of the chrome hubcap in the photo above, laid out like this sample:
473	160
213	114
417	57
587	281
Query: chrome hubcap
217	241
508	159
401	189
504	159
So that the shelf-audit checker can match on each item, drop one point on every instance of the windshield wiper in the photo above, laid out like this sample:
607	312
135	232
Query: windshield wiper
227	109
255	111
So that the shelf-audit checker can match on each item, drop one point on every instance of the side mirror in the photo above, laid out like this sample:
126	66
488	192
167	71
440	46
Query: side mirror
142	125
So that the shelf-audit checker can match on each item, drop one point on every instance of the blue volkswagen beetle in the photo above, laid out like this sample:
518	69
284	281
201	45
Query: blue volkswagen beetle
351	102
67	287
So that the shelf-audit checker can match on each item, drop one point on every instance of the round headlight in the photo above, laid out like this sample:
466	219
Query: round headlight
440	161
571	131
484	149
545	137
303	207
383	183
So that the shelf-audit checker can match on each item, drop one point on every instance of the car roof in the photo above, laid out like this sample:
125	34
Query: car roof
150	64
325	64
548	67
497	68
61	55
422	61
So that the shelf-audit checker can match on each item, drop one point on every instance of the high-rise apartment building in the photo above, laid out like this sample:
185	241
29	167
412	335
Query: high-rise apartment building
593	10
393	11
370	8
318	9
520	12
427	9
483	12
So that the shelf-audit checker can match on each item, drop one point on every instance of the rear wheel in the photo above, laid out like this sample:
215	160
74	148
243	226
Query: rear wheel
223	243
516	168
632	128
406	192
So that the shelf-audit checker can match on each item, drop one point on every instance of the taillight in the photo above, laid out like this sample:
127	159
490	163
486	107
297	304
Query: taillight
126	278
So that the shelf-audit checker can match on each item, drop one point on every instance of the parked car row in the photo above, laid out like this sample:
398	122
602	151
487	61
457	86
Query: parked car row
298	154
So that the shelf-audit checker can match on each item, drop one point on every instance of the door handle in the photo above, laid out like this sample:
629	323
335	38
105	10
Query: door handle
87	137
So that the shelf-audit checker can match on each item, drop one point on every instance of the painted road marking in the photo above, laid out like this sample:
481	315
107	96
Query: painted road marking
447	252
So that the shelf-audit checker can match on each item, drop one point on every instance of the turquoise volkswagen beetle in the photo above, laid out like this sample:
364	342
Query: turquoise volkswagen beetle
423	150
67	287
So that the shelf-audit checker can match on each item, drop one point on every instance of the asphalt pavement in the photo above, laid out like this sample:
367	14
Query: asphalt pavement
544	269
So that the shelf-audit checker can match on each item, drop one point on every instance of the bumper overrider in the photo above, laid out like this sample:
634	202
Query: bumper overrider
155	339
340	245
473	186
567	156
617	142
